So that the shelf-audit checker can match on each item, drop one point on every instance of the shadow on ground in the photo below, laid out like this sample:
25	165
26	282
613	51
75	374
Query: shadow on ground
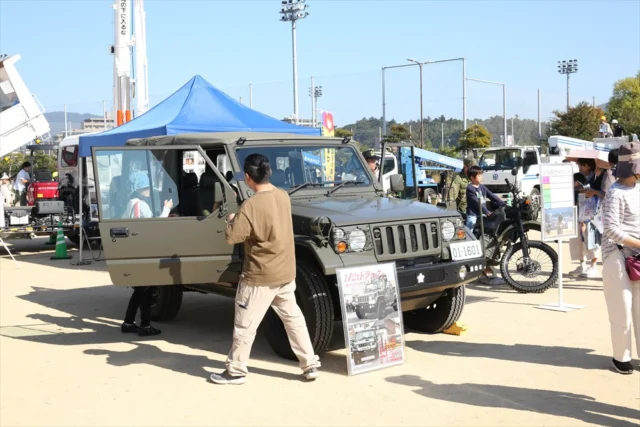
555	403
205	322
37	252
527	353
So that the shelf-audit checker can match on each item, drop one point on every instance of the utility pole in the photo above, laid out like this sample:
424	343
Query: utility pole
293	10
464	94
442	135
421	105
539	122
313	104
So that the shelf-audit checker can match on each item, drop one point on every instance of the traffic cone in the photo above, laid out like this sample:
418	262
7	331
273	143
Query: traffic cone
52	239
61	245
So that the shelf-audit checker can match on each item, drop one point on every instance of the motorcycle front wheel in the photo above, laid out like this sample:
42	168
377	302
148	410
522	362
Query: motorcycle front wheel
534	274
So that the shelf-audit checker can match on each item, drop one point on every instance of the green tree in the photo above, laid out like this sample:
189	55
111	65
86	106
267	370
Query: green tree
12	163
342	133
397	133
476	136
581	121
624	104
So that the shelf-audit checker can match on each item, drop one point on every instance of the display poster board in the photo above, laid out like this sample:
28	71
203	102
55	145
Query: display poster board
559	213
373	330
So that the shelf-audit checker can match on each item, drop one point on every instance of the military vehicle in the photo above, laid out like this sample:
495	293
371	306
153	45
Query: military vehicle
364	347
378	296
340	219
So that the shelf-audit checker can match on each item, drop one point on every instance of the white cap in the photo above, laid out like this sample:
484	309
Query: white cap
5	176
614	121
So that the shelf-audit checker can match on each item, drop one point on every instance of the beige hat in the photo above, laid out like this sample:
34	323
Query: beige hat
5	176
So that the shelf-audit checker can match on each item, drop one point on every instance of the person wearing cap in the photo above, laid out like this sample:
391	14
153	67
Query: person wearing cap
373	162
6	195
618	129
458	191
621	221
138	206
605	128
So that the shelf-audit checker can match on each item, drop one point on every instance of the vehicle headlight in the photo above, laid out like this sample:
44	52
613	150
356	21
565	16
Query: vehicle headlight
339	241
448	230
357	240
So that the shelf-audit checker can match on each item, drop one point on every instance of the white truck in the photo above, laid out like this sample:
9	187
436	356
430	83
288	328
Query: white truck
497	164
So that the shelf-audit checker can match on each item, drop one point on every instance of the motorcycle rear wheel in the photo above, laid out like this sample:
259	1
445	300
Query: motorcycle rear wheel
522	274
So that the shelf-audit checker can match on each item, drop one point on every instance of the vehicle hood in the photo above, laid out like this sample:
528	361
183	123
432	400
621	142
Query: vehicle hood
358	210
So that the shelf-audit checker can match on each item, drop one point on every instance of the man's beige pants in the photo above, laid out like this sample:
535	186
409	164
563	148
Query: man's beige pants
252	303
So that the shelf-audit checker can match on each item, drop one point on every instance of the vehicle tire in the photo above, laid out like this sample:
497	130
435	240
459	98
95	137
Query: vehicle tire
535	198
361	314
536	288
314	299
430	193
395	305
381	310
166	302
74	238
440	314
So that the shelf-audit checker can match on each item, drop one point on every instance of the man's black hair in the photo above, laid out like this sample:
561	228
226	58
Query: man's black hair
26	165
590	163
258	168
613	156
474	171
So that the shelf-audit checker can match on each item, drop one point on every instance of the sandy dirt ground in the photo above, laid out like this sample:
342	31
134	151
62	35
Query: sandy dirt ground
63	361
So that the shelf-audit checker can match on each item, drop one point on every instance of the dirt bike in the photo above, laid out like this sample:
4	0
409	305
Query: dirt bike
527	266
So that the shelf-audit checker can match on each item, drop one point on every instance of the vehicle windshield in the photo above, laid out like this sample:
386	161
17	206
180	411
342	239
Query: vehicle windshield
499	160
297	165
371	288
365	335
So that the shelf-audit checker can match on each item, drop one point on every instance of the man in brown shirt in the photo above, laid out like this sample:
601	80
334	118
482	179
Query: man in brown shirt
263	224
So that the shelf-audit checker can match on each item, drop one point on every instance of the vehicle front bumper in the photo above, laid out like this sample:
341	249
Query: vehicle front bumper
421	284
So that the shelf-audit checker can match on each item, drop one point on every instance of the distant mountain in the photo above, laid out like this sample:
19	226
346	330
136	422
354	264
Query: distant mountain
56	120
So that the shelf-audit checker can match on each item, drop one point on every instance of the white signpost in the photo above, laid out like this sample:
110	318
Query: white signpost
559	217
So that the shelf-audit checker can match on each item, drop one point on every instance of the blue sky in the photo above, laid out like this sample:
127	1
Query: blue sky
64	48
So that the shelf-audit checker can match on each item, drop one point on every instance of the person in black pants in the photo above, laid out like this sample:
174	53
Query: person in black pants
141	298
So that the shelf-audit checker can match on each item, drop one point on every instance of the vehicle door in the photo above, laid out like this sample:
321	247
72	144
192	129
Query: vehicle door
188	246
389	167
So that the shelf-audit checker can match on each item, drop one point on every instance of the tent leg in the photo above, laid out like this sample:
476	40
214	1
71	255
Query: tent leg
81	230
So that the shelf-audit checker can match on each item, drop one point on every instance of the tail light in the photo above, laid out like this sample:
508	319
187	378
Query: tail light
31	198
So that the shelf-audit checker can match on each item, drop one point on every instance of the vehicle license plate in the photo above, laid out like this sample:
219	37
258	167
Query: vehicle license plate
466	250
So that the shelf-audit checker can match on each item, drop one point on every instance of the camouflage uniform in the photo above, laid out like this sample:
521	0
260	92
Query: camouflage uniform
458	191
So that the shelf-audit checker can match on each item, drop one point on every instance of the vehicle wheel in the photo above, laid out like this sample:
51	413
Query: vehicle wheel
535	198
430	193
382	310
314	299
75	239
440	314
535	275
361	314
166	302
395	305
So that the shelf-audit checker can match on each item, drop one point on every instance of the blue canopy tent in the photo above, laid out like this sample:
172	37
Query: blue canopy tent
195	107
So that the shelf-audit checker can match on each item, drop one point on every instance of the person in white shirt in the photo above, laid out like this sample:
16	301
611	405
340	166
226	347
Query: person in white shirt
373	162
22	181
605	128
138	207
6	195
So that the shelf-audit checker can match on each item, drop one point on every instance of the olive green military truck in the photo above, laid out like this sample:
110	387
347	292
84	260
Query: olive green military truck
341	218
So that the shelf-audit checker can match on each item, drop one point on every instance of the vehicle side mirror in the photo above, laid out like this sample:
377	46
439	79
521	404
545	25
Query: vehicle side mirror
519	161
218	195
396	183
514	171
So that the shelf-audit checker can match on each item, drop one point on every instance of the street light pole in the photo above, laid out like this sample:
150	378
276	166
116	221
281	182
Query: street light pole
421	104
504	103
568	67
293	10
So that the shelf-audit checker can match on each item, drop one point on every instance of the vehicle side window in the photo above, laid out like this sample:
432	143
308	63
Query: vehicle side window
69	156
530	158
388	165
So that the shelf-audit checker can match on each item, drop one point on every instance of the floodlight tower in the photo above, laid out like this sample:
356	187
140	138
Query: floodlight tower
292	10
568	68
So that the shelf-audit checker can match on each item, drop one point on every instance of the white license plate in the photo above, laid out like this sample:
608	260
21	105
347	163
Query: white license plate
466	250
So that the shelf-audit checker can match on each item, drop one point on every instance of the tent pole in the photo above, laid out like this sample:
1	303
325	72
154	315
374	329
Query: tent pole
81	230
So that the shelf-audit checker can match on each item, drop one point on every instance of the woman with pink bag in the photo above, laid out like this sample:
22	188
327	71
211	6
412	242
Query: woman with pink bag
621	246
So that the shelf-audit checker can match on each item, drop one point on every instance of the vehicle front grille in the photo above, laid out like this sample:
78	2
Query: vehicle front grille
394	241
494	188
360	299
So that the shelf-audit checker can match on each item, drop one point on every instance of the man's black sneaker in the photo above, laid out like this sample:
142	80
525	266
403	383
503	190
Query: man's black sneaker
625	368
149	331
226	378
128	328
311	374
